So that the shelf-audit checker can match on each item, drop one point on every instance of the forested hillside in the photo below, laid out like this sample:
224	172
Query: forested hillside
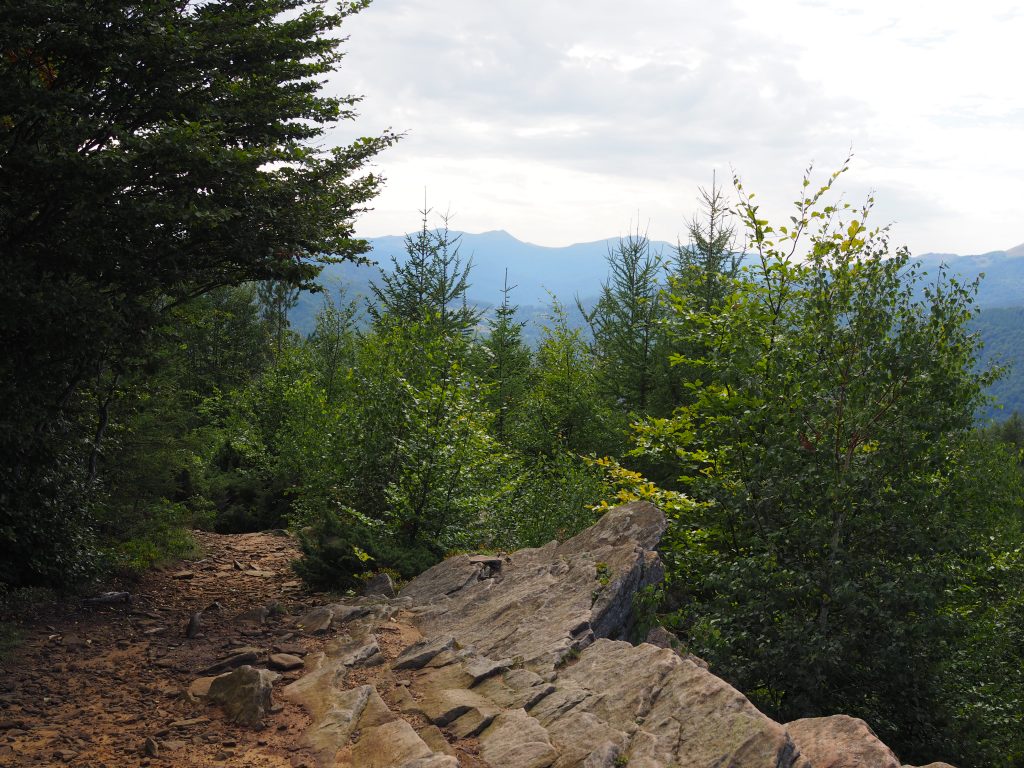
1002	332
576	272
841	537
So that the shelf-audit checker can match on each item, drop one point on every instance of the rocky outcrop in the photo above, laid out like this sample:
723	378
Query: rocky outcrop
540	605
521	661
840	741
659	710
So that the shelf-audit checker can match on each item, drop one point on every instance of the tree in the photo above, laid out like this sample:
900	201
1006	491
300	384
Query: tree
700	277
563	410
706	264
150	152
507	365
277	299
983	677
402	452
333	342
625	320
1010	432
826	441
429	285
153	481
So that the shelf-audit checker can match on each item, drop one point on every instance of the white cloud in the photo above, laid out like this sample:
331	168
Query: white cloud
564	122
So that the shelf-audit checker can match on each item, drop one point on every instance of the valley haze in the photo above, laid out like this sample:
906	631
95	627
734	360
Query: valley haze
537	272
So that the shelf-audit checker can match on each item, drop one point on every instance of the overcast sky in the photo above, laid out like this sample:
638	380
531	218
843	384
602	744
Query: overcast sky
565	122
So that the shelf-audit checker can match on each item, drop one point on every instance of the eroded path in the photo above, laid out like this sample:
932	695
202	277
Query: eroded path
511	661
90	685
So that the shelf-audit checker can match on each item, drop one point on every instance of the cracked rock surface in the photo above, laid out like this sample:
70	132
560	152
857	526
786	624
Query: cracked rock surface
521	662
514	661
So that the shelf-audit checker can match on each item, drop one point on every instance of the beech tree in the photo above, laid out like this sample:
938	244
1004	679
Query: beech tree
827	441
150	152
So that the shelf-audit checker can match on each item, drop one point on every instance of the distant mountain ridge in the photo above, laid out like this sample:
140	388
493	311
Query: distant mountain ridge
539	271
579	269
1003	284
535	270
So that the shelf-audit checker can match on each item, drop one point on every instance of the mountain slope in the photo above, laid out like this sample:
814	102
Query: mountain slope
533	269
1003	282
578	270
1002	331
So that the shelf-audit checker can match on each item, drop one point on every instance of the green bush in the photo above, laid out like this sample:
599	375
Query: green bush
338	549
545	498
156	534
334	553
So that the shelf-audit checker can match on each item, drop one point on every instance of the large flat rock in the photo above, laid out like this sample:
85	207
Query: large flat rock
524	657
840	741
658	709
543	602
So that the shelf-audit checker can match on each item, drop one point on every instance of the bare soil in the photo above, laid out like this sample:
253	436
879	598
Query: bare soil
90	684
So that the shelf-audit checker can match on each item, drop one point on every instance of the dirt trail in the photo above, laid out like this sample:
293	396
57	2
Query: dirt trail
90	685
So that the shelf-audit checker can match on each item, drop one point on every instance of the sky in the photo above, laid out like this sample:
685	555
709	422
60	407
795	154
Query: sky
564	122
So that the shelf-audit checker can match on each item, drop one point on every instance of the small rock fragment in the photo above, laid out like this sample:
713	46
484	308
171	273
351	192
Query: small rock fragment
247	656
378	585
661	637
480	667
245	694
200	687
285	661
420	653
494	561
317	620
257	615
194	625
472	722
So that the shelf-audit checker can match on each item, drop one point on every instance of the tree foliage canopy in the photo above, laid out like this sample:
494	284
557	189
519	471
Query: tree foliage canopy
624	323
830	441
430	284
150	152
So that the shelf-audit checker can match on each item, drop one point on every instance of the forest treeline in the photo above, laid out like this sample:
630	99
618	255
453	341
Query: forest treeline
843	538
